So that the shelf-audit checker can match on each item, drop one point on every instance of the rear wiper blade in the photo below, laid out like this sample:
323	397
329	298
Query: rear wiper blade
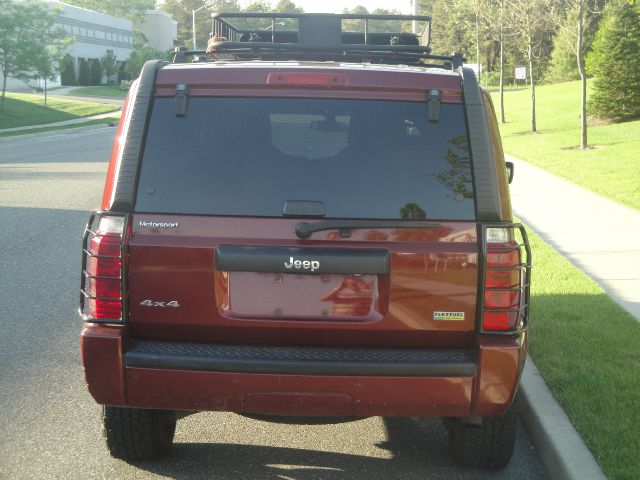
305	229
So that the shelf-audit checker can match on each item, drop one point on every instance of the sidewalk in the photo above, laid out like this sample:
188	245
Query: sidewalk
66	93
599	236
63	123
602	238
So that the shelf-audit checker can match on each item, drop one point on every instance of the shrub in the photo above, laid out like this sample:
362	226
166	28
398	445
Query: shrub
122	72
84	76
96	72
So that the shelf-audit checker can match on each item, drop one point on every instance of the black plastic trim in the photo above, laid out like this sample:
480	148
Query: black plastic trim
300	360
125	189
243	258
483	161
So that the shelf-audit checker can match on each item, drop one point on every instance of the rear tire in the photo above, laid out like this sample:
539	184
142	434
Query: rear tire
489	445
135	434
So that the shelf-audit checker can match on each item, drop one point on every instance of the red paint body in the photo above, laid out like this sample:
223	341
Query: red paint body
489	393
431	270
166	265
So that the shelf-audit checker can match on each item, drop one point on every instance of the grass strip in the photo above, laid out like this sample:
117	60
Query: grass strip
103	91
588	350
610	167
25	109
88	123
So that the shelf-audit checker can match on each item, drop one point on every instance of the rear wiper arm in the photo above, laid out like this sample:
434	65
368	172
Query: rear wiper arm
305	229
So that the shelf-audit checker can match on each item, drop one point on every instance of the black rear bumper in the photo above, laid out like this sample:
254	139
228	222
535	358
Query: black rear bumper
300	360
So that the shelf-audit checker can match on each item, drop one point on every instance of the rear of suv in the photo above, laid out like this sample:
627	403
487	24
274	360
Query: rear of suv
309	223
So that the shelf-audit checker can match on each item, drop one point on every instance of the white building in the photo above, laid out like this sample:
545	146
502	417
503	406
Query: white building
160	30
95	34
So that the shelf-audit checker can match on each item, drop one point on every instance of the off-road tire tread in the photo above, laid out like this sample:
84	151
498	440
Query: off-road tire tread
490	446
135	434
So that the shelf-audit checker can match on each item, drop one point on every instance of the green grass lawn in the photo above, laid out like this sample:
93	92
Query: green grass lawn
103	91
610	168
29	109
588	350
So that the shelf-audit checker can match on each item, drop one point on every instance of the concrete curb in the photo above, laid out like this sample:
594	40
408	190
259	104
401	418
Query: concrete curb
561	449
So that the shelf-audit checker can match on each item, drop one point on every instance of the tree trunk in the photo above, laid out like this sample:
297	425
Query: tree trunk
4	89
478	39
45	90
502	120
533	89
583	78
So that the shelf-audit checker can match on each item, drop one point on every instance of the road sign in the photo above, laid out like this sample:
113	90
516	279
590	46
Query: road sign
521	73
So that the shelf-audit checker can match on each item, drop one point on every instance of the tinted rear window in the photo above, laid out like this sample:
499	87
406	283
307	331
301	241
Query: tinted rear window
360	158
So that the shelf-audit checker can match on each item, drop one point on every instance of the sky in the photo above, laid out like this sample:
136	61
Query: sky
336	6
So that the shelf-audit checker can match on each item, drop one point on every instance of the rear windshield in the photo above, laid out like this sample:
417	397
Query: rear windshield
358	158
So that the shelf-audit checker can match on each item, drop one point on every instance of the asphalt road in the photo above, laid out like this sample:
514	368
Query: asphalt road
50	426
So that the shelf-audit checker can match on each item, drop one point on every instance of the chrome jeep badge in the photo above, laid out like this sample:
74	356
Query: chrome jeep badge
311	265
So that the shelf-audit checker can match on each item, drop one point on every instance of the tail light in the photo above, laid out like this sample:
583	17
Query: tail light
102	287
507	274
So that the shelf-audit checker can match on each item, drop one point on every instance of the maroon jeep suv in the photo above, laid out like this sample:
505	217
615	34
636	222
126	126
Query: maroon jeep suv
306	222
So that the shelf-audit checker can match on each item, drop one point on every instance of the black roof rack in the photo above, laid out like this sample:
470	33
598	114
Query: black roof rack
320	37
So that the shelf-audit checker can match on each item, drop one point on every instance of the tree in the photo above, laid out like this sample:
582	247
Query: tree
454	27
562	66
354	25
141	53
257	6
579	16
287	6
494	14
530	24
181	11
46	59
109	66
616	64
29	45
